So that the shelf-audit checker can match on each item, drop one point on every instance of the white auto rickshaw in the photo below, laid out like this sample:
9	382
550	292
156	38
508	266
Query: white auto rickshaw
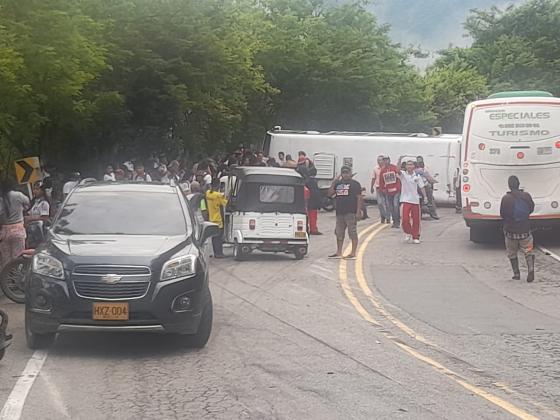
265	211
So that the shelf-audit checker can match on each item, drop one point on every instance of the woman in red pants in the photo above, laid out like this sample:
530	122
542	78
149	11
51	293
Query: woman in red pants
312	200
410	200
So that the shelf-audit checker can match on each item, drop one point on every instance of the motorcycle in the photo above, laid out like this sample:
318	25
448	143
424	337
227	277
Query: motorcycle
12	276
5	338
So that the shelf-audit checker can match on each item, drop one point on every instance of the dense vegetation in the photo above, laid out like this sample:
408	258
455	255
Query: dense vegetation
96	80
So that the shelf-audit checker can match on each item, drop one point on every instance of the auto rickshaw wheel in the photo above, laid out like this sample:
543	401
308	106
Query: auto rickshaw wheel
299	254
237	252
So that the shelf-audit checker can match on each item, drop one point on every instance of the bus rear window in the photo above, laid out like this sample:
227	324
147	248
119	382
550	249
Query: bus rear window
283	194
514	123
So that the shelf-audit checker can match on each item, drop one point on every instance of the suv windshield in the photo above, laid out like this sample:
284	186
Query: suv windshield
122	213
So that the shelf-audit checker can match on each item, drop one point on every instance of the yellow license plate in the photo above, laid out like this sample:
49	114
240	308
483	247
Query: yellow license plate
107	311
300	234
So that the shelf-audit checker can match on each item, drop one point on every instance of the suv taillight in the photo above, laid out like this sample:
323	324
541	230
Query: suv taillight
252	224
300	225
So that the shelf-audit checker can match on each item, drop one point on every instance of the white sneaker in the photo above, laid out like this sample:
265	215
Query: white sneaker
416	241
407	238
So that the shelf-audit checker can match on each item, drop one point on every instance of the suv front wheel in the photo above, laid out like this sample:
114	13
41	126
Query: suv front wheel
201	337
37	341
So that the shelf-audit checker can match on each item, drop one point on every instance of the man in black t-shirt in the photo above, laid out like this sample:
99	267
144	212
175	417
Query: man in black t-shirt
348	198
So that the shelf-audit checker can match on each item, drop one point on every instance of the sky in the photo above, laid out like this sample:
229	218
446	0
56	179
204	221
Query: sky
431	24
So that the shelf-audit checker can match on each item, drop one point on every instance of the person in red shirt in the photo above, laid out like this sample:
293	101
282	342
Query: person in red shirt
390	185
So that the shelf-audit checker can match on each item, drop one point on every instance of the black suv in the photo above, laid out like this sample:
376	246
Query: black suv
121	257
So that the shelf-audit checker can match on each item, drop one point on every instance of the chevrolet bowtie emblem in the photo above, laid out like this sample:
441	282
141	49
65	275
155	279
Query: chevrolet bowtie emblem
111	278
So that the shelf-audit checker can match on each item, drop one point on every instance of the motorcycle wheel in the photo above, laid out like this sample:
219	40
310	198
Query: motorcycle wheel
12	279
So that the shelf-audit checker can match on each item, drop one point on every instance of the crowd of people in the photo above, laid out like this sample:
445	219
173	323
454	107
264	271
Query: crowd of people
201	182
401	191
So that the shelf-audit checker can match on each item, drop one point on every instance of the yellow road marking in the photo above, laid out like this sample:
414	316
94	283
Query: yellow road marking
343	274
503	404
360	277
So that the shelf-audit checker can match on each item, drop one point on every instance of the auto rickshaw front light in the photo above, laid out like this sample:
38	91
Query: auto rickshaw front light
300	225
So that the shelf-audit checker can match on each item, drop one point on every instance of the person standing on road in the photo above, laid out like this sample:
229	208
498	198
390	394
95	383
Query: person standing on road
312	200
290	163
215	202
12	236
411	182
40	205
281	158
379	194
69	185
347	193
390	186
515	209
197	202
140	174
109	175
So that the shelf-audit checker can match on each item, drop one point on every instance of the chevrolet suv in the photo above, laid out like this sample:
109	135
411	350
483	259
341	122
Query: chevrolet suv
121	257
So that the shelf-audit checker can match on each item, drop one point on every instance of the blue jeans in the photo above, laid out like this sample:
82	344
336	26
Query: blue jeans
393	208
382	204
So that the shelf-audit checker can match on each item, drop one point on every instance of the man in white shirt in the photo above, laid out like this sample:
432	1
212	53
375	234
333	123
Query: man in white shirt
109	175
140	174
69	186
411	182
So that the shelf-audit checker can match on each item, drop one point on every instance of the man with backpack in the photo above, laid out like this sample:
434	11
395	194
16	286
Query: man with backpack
515	210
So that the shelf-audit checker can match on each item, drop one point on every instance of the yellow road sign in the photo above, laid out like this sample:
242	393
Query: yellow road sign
28	170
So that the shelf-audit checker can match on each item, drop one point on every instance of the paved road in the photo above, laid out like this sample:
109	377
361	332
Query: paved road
436	330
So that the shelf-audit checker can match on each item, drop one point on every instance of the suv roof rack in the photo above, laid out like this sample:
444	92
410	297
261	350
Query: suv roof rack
87	181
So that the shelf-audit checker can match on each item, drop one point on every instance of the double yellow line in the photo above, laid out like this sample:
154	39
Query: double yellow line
369	234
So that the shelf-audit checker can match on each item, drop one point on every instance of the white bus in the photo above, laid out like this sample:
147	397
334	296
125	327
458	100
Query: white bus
510	133
329	151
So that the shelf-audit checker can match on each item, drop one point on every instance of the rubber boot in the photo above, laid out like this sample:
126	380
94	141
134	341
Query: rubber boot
530	268
515	266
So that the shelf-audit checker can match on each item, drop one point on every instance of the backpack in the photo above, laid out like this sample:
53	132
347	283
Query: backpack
521	210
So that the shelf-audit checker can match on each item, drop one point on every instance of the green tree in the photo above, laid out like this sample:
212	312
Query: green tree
449	89
515	49
55	50
336	69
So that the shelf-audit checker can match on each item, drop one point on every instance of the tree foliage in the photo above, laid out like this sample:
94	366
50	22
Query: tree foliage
517	48
92	80
449	89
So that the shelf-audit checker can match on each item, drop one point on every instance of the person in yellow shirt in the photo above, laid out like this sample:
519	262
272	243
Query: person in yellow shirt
216	201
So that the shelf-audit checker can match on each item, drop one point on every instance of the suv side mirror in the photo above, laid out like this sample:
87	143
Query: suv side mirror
209	230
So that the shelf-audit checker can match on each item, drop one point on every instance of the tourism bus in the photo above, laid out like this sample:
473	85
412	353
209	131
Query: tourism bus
510	133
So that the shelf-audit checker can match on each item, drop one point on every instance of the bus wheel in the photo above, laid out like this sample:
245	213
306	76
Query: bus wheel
480	235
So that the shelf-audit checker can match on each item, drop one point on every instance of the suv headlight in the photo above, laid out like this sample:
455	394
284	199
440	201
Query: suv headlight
184	266
47	265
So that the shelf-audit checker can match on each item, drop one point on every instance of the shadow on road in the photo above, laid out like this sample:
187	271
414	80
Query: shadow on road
115	345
